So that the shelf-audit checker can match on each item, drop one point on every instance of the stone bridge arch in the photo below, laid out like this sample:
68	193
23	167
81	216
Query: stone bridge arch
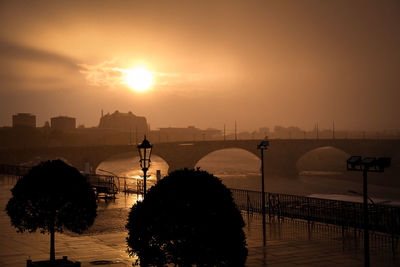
252	152
186	155
323	159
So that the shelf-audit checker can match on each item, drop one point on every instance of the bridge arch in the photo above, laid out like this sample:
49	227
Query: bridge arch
229	158
127	165
186	155
324	159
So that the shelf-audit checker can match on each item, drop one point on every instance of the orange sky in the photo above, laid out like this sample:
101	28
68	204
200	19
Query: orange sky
262	63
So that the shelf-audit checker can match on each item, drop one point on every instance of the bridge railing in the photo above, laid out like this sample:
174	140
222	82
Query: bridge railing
382	218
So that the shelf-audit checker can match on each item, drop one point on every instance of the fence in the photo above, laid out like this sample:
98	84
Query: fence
382	218
105	185
14	170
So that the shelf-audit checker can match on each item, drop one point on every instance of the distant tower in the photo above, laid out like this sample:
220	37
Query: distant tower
224	132
317	132
24	120
333	130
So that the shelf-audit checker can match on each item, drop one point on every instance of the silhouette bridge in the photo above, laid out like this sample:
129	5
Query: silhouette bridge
281	157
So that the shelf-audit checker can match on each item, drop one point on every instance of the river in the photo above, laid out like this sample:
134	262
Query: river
240	169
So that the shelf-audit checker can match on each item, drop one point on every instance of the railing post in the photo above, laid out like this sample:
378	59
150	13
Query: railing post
248	202
393	234
308	210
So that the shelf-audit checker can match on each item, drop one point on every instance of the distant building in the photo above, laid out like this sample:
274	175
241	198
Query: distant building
124	121
24	120
171	134
63	123
189	133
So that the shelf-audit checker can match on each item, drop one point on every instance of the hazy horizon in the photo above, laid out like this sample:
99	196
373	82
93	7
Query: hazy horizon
261	63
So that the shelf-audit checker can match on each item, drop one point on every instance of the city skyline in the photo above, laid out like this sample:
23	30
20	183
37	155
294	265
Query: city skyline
277	131
212	63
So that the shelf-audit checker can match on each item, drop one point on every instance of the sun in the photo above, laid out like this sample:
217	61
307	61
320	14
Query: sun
139	79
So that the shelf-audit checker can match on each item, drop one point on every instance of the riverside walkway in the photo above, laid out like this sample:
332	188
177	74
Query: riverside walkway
289	242
292	240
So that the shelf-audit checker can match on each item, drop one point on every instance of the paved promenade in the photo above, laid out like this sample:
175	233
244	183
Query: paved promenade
289	243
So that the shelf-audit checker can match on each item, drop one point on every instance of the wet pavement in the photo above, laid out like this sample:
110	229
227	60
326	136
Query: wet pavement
289	242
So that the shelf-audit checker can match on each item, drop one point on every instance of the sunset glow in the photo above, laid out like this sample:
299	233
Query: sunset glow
139	79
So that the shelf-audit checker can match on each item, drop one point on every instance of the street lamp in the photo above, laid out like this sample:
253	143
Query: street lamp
263	145
144	150
365	165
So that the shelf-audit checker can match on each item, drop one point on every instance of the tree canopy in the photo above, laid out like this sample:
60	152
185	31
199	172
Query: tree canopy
50	197
188	218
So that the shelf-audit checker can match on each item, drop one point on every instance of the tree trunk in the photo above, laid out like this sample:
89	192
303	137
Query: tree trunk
52	249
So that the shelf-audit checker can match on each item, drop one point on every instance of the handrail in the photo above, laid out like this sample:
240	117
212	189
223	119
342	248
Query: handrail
383	218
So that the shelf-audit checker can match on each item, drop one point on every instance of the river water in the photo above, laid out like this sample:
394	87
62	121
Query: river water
240	169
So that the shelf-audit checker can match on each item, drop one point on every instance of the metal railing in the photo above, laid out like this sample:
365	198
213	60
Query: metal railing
14	170
109	184
382	218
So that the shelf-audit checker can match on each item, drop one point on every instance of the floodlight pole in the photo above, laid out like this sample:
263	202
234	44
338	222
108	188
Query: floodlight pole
356	163
263	195
263	145
366	217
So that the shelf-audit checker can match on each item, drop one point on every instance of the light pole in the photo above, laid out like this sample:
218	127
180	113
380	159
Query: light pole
263	145
365	165
144	150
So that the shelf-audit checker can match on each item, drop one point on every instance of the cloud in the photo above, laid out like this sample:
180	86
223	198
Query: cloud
108	74
27	68
103	74
14	51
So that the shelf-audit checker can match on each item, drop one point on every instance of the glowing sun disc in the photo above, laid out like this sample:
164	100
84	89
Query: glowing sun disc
139	79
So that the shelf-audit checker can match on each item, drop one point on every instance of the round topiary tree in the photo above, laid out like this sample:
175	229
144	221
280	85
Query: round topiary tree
188	218
50	197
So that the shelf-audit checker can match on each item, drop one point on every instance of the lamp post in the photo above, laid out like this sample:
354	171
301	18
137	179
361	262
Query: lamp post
263	145
365	165
144	150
